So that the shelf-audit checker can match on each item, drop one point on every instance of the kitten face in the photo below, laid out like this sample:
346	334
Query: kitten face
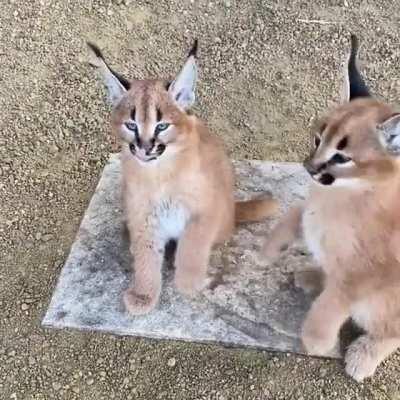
348	147
150	122
150	115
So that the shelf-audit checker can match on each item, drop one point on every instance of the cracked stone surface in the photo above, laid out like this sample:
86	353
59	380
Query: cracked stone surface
249	304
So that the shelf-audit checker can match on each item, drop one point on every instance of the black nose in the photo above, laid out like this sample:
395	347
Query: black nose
147	146
313	168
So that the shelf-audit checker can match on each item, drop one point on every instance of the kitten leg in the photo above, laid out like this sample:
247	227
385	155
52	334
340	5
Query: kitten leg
143	294
323	322
192	256
311	281
283	234
366	353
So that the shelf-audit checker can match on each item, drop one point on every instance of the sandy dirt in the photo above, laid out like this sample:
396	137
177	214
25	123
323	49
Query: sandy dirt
267	69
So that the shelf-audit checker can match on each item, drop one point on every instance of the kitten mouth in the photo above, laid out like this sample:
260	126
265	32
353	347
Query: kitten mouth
324	179
145	159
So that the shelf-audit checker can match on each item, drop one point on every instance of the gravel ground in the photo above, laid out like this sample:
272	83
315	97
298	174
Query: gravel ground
267	68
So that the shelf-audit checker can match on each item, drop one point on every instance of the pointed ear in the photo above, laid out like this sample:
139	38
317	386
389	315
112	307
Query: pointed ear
390	130
182	89
115	83
353	83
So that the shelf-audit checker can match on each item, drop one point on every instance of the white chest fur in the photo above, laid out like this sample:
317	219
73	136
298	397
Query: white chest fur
171	218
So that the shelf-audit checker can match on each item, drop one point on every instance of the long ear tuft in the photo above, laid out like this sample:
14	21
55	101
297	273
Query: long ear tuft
193	50
354	85
182	89
116	84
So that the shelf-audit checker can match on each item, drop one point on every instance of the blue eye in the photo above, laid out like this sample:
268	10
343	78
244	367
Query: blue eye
162	127
131	126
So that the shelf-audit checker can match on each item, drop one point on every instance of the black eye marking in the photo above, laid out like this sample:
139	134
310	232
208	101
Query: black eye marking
317	141
342	144
339	159
132	148
161	127
159	115
167	85
133	114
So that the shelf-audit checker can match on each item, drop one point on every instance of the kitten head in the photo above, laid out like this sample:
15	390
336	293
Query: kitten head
150	115
357	141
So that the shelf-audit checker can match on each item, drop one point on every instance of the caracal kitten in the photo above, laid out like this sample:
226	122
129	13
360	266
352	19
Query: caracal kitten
351	224
178	181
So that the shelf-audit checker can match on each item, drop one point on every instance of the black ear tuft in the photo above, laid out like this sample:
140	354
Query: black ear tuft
95	50
357	86
193	50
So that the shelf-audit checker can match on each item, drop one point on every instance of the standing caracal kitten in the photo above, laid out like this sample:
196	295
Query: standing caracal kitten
177	181
351	224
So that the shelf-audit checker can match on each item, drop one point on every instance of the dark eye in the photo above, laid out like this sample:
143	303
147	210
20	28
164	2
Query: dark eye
317	141
340	159
342	144
162	127
131	126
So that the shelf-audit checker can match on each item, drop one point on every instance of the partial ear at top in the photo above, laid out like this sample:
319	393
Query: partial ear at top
353	85
115	83
390	130
182	89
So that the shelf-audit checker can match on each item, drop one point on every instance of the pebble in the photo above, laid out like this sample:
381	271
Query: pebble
171	362
57	386
24	307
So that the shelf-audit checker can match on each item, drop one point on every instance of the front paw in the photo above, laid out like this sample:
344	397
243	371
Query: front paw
360	360
317	342
138	304
190	285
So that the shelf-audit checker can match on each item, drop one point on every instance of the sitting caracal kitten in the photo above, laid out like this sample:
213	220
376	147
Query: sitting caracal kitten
351	224
178	182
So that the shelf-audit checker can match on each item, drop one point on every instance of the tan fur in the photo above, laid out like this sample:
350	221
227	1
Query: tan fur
353	231
192	178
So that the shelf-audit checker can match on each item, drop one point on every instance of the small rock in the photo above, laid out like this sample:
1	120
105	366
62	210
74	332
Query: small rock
171	362
323	372
47	237
90	381
53	149
57	386
31	361
24	307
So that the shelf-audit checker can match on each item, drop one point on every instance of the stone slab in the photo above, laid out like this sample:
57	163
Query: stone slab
253	305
